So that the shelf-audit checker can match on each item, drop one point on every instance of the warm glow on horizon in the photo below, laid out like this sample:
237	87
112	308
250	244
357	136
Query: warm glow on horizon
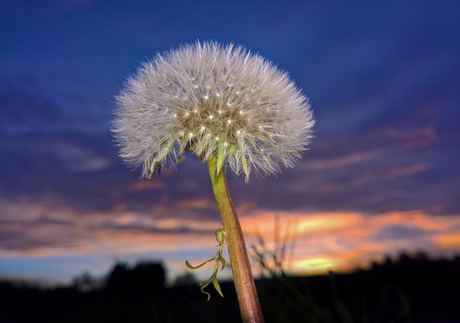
327	222
196	203
316	265
343	242
448	240
314	243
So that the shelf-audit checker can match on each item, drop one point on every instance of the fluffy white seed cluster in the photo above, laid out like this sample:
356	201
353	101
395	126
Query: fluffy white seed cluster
213	100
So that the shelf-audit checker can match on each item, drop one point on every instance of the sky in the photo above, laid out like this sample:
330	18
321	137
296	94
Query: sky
381	176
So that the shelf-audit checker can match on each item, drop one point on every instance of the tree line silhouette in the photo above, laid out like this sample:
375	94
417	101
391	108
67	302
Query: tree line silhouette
411	288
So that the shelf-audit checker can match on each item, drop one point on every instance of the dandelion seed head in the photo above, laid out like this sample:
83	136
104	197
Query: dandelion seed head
217	83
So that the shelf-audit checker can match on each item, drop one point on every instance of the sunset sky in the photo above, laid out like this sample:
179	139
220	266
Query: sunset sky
381	176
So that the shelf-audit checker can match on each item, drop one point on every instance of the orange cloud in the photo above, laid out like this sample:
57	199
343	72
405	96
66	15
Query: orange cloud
434	223
126	241
145	184
195	203
126	219
448	240
245	207
327	222
323	241
317	264
305	223
171	223
349	240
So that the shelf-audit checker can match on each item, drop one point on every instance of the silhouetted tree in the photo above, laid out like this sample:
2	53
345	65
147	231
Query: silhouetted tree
388	262
144	276
421	256
84	283
187	279
404	258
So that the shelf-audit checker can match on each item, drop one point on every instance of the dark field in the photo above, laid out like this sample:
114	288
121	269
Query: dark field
411	289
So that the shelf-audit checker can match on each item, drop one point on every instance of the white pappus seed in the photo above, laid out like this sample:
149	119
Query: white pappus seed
236	81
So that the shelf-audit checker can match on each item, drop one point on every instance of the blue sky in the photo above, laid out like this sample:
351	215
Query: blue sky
382	174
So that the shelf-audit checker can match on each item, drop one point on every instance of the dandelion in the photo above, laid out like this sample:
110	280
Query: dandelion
237	96
228	106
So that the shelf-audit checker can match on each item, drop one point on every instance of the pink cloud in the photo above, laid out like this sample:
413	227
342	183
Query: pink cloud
340	161
414	138
198	203
322	241
391	172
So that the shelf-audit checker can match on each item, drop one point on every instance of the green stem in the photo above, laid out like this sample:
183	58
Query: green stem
242	275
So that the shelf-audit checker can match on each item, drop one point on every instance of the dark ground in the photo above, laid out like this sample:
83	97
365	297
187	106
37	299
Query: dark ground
412	289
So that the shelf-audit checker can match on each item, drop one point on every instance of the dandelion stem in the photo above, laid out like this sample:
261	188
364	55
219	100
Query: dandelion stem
242	275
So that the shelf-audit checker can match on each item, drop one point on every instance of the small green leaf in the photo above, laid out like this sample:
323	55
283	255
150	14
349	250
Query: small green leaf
217	286
245	165
199	266
220	237
223	262
206	283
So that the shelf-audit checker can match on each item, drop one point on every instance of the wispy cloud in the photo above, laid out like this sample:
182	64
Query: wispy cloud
346	241
323	241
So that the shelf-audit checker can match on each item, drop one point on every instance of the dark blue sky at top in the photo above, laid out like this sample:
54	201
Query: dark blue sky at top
383	79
